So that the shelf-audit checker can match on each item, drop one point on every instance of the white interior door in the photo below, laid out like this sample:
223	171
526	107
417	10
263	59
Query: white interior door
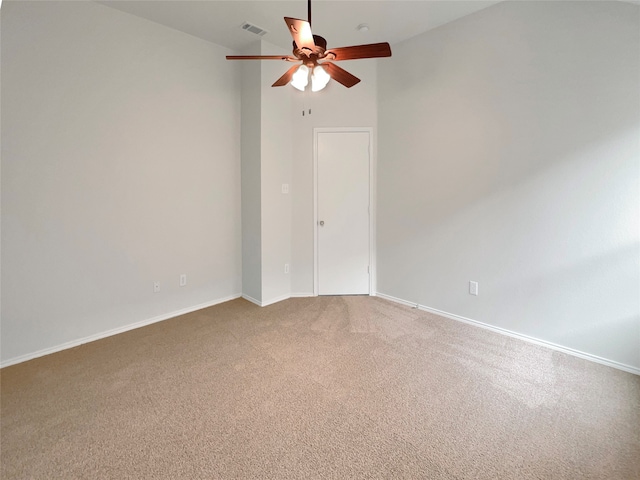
342	209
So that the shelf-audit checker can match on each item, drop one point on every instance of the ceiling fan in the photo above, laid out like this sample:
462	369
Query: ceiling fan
310	49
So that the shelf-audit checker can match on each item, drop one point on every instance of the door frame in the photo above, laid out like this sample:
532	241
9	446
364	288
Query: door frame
372	209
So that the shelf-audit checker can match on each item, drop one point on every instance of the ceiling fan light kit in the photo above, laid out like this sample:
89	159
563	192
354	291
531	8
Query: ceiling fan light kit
319	78
300	78
309	49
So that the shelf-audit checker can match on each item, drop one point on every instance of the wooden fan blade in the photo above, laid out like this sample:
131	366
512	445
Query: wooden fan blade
286	58
371	50
301	32
340	74
286	78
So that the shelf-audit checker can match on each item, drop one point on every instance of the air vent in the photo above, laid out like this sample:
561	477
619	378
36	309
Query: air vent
249	27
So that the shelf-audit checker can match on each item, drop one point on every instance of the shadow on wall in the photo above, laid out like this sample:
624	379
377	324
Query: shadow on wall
593	300
509	156
556	256
499	96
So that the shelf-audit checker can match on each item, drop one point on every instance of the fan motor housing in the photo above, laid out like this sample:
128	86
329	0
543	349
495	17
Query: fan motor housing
307	53
320	42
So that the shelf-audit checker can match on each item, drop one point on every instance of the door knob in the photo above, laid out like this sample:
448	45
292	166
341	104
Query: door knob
321	223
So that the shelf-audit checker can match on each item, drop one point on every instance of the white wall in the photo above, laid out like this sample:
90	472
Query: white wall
120	166
286	156
266	165
335	106
509	155
251	178
276	149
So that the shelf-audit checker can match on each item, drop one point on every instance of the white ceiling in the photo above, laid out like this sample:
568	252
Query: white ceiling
219	21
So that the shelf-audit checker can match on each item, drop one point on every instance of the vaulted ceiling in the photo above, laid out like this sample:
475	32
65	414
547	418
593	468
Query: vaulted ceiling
220	21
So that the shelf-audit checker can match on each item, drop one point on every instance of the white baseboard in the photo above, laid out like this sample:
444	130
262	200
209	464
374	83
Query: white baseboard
396	300
115	331
268	302
302	295
252	300
276	300
526	338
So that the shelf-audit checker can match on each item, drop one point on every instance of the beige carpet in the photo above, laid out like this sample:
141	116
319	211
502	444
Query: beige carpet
327	387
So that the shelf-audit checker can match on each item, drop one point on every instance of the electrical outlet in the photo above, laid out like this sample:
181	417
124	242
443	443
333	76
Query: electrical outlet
473	288
286	268
183	280
285	188
156	287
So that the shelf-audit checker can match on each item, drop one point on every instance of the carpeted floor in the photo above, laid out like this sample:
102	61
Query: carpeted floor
326	387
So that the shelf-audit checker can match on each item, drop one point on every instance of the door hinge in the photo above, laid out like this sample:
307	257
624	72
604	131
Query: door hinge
368	269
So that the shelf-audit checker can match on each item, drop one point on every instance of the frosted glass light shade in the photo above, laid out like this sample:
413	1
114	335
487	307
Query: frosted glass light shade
319	79
300	79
